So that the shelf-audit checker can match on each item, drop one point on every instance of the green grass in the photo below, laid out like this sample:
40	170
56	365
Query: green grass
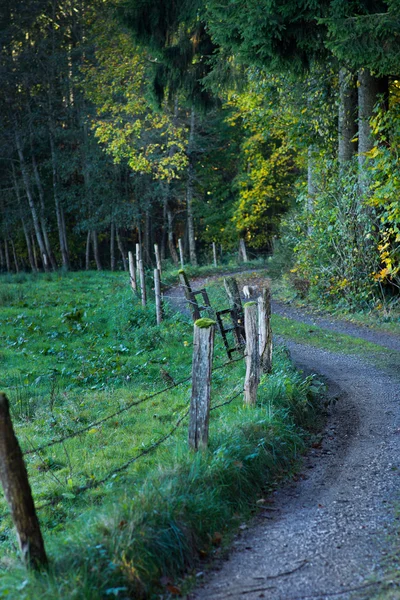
78	348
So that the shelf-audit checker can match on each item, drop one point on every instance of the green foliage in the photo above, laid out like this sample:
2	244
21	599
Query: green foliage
161	517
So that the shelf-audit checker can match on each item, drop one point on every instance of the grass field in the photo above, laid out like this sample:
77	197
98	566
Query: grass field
124	507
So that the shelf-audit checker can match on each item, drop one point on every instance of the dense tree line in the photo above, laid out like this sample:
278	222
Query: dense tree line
143	121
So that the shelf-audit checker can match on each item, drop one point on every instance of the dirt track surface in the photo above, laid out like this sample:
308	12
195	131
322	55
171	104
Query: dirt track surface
324	536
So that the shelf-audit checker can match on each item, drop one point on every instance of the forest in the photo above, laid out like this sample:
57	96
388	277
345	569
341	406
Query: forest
199	299
128	121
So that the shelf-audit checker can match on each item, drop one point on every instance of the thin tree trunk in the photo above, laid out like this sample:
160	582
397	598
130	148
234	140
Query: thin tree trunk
43	223
35	218
29	246
112	246
87	253
35	260
14	256
121	249
147	235
171	245
95	243
311	189
2	258
61	233
7	255
347	121
189	192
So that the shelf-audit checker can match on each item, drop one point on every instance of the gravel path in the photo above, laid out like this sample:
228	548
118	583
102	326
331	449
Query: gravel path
324	536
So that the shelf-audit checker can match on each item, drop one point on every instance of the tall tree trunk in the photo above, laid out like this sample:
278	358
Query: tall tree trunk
24	227
171	245
311	189
121	248
60	221
112	245
35	260
87	253
369	90
42	213
35	217
14	256
189	191
2	258
164	236
7	255
29	246
347	121
96	253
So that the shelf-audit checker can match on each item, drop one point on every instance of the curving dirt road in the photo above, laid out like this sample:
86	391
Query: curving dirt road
325	536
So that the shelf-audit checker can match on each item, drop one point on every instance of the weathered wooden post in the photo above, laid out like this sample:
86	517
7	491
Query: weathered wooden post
157	291
14	479
214	247
142	282
252	355
132	272
158	257
181	252
203	348
243	251
265	331
138	256
232	290
191	300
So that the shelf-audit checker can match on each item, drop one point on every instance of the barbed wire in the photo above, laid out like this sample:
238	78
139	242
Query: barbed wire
107	418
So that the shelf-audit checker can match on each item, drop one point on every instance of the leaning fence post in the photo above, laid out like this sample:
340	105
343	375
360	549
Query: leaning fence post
158	257
252	378
181	252
203	348
232	290
214	247
190	298
142	282
14	479
265	331
157	291
132	273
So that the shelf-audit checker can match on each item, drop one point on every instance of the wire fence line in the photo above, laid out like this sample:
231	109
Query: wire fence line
133	404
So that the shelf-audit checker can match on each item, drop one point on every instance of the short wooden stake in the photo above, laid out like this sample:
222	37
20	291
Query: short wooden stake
214	247
132	272
203	348
243	251
191	299
252	378
157	291
158	257
14	479
265	331
181	252
142	282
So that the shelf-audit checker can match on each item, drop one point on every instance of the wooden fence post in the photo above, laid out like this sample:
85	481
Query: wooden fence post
158	258
203	348
243	251
142	282
214	247
157	291
232	290
265	331
181	252
132	272
14	479
138	256
191	300
252	378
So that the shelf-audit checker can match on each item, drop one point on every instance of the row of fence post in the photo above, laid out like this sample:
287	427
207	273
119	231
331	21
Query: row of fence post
258	357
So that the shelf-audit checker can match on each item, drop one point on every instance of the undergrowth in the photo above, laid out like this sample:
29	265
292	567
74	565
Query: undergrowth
77	348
